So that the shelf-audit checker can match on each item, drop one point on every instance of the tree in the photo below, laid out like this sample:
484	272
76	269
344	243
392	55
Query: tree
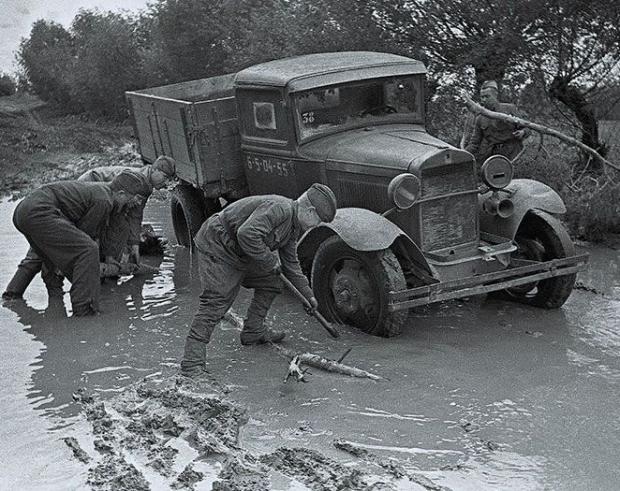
281	28
107	62
578	50
488	35
47	60
7	85
189	37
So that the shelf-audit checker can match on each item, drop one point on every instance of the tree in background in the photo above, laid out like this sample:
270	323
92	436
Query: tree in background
487	35
7	85
187	39
278	28
577	48
47	58
107	63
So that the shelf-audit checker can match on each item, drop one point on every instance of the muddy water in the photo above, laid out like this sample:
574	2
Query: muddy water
481	394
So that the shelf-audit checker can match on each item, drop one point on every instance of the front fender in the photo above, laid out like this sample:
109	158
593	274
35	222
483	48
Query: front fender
362	230
526	195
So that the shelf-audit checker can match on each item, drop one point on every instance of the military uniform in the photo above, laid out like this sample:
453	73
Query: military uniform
238	247
494	137
61	222
123	228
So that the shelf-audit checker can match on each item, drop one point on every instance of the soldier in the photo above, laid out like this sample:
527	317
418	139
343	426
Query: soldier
61	222
492	136
126	229
123	229
238	247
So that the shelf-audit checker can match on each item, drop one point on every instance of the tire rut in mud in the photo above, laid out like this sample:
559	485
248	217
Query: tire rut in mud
168	431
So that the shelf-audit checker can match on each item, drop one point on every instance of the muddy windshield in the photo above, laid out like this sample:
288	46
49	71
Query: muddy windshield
330	109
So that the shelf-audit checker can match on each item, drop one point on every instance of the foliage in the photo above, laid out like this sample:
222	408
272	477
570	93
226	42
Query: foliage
554	57
488	35
7	85
577	47
107	62
47	59
279	29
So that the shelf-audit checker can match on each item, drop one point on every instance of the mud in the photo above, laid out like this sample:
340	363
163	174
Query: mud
479	394
140	429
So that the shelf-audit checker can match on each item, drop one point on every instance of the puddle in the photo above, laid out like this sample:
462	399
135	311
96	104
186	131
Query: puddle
498	395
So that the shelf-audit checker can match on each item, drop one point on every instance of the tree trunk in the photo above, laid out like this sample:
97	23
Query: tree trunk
576	101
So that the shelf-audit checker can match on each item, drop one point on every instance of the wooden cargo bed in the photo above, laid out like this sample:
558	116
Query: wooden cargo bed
195	123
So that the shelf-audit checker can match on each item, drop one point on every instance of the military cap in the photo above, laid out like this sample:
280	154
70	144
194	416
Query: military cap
166	164
323	200
132	183
489	84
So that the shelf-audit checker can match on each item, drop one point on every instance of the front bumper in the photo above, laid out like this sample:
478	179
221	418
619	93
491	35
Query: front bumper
520	272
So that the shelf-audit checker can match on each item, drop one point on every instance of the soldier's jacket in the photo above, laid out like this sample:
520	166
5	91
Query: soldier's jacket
87	205
134	215
260	226
492	136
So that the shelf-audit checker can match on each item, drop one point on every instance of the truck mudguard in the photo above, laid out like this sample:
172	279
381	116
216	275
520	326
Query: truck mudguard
362	230
526	195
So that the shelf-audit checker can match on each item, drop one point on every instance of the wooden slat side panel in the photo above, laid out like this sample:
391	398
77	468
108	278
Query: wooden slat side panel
220	143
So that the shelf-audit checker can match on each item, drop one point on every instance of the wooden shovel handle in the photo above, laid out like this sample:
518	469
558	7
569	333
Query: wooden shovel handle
328	327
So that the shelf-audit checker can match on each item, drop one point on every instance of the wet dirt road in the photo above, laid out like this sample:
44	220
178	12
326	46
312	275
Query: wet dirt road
482	394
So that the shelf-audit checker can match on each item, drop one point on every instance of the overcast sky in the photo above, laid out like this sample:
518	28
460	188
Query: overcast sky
17	16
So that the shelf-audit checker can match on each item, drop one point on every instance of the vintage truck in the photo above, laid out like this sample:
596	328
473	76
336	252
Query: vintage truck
415	225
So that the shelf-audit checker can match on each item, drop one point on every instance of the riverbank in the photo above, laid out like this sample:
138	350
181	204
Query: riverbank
40	144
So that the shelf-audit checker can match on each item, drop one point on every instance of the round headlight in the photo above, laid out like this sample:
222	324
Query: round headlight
497	172
404	191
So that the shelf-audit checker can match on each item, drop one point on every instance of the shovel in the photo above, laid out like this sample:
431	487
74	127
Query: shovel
315	313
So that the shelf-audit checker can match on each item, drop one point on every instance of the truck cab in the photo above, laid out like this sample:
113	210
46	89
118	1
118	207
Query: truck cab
417	222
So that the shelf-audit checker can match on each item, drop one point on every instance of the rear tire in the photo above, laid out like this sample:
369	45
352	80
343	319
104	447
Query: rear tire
352	287
189	210
541	237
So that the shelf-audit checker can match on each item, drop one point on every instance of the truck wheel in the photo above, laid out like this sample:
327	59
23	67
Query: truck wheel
189	210
352	287
542	237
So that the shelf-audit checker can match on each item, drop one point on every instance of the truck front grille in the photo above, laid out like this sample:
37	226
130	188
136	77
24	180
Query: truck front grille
448	220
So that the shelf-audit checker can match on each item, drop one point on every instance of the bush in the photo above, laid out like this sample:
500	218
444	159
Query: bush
7	85
593	204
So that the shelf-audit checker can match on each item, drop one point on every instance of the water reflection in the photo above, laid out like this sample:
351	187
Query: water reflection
104	352
139	333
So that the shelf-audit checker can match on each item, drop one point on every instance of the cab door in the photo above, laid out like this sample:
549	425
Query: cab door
267	142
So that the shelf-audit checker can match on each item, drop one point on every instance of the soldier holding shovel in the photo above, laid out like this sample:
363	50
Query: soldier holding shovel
250	243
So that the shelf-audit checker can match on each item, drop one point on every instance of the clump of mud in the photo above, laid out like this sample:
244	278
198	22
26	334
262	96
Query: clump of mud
181	433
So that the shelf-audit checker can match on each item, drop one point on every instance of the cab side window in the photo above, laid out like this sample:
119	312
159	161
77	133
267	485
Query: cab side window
263	116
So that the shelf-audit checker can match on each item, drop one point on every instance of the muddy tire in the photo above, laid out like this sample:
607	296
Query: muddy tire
541	237
352	287
189	210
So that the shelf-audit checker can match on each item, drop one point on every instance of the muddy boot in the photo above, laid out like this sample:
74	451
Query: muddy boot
10	295
254	331
266	336
84	310
18	284
194	359
54	281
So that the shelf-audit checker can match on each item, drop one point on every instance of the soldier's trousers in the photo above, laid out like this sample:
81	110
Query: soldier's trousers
60	244
222	273
27	269
113	244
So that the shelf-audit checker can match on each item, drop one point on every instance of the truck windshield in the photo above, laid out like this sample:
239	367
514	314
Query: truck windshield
370	102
